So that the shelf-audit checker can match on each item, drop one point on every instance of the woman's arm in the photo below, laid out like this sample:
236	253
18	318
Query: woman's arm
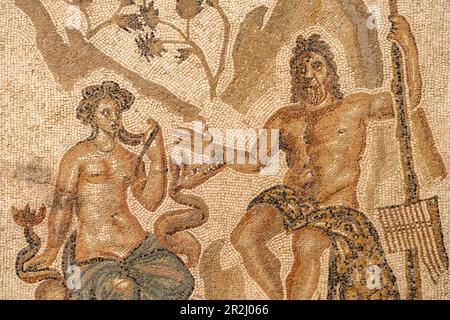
150	187
60	216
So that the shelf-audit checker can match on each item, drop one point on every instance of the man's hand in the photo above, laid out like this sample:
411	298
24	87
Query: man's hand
402	35
42	261
401	30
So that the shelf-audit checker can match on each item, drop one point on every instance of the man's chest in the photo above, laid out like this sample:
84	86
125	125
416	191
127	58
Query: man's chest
343	126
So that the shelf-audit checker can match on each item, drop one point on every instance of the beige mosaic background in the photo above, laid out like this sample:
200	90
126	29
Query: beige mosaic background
38	124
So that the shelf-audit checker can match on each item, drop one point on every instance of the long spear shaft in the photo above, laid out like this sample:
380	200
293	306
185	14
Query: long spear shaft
410	177
404	133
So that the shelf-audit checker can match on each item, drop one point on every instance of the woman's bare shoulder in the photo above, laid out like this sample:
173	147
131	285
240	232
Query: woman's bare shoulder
78	152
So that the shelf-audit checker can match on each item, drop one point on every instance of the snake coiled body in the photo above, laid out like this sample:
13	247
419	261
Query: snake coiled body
172	227
28	253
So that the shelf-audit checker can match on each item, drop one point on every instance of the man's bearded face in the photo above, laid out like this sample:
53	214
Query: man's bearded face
313	77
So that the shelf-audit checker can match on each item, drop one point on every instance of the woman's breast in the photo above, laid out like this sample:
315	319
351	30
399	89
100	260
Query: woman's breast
97	172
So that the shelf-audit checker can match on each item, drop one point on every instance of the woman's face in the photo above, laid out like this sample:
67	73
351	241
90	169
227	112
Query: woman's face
107	116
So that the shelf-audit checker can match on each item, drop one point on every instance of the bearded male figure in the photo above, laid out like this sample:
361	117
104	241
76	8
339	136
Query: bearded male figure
323	134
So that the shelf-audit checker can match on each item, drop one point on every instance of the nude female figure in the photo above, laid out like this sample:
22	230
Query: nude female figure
93	179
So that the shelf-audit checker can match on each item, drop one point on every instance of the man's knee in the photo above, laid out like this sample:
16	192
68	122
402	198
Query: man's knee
310	241
250	238
242	237
258	226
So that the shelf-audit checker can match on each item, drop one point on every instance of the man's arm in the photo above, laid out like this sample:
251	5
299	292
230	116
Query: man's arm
401	34
274	123
381	104
189	176
61	213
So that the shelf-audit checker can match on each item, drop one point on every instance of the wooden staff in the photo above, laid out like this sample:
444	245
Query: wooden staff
410	177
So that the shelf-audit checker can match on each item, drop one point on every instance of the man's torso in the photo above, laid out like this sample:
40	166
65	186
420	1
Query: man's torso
323	150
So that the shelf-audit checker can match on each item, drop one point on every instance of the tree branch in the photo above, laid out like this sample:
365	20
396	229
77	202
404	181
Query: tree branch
92	32
174	42
70	63
199	53
188	28
226	42
106	23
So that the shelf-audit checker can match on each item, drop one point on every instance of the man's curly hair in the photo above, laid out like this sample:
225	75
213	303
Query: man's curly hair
93	95
313	44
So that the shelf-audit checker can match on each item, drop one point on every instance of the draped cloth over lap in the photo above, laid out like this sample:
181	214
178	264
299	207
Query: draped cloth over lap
355	251
150	272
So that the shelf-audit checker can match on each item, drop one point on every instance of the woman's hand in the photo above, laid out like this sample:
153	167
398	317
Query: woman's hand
152	125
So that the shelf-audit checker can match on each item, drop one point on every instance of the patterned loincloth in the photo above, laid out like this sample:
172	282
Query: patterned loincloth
355	251
150	272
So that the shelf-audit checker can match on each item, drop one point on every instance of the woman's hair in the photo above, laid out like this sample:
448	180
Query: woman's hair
93	95
313	44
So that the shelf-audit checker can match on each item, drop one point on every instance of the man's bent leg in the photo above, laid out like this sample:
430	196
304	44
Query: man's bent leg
260	224
308	246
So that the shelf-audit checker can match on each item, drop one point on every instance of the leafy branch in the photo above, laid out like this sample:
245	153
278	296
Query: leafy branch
143	25
117	18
